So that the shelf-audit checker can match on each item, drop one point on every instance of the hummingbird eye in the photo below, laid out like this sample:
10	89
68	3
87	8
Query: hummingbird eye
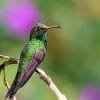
38	32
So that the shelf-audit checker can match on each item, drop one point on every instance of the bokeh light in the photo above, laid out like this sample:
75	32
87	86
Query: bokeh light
20	16
90	92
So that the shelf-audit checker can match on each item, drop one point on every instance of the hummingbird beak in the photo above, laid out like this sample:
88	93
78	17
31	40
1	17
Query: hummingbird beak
50	27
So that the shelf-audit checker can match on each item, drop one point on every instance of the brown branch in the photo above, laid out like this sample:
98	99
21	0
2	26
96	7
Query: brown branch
42	74
9	61
5	57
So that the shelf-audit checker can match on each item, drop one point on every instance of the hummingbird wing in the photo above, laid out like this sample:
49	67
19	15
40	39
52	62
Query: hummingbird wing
37	58
25	76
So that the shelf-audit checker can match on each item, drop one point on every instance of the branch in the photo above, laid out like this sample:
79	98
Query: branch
51	84
2	67
5	57
42	75
9	61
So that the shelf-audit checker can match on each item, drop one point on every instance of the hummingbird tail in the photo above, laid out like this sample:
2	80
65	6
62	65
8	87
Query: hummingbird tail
14	87
11	93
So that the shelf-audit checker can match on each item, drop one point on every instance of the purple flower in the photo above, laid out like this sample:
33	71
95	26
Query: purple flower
90	93
19	18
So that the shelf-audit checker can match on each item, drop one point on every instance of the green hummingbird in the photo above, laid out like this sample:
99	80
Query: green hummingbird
32	55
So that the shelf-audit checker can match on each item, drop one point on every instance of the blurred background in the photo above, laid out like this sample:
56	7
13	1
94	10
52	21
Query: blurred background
73	56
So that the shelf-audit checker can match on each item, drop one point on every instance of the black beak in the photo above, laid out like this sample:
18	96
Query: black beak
50	27
43	26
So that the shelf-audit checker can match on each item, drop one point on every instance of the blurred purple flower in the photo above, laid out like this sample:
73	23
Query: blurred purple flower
19	18
90	93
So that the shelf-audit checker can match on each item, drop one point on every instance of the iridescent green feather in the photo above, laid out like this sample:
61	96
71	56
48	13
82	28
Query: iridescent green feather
30	49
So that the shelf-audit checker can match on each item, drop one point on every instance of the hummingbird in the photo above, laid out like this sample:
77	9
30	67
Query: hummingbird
31	56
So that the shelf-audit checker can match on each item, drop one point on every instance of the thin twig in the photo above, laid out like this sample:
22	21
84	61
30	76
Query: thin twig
42	75
5	57
51	84
4	79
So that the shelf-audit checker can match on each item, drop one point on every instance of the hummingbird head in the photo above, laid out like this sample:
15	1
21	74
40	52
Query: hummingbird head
40	29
